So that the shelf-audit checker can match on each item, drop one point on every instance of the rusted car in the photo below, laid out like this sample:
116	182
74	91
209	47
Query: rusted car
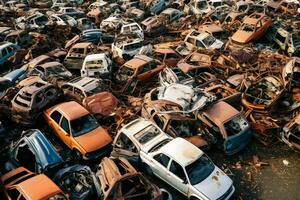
77	53
252	28
167	56
230	130
29	103
291	133
51	70
214	29
119	180
20	38
263	94
20	183
166	115
153	26
79	130
139	69
90	92
77	181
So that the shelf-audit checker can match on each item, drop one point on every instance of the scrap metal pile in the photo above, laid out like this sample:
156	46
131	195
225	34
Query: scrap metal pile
95	94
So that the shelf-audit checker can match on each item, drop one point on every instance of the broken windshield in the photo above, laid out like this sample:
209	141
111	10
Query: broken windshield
235	125
147	134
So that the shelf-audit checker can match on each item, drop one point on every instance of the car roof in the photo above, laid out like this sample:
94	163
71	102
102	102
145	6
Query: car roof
50	64
85	83
72	110
182	151
95	57
220	112
138	61
135	126
253	18
81	45
46	188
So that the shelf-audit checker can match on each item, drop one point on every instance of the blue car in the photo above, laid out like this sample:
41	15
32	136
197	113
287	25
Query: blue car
35	152
7	49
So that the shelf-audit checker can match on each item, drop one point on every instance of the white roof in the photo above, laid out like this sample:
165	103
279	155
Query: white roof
135	126
99	56
182	151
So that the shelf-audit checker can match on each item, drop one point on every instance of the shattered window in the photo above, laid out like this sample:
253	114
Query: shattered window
147	134
199	169
125	143
235	125
77	51
125	73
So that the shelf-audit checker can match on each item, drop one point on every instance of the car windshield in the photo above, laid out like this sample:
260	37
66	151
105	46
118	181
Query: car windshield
199	169
147	134
132	47
209	40
83	125
235	125
247	28
296	39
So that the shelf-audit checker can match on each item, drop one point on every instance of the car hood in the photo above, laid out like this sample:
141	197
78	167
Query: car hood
241	36
215	185
94	140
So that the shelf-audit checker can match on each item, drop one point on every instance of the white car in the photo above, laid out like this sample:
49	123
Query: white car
127	45
96	65
133	28
198	40
188	170
176	161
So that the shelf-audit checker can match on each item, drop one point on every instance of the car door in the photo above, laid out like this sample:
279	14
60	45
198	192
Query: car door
177	178
65	130
124	147
159	165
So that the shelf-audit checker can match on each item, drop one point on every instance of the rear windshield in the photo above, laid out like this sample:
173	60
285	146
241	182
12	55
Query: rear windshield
147	134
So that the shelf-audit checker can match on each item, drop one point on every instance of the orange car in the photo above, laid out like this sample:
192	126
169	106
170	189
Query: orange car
252	28
79	130
21	183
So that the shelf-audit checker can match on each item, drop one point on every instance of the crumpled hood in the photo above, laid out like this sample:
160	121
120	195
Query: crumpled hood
94	140
215	185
